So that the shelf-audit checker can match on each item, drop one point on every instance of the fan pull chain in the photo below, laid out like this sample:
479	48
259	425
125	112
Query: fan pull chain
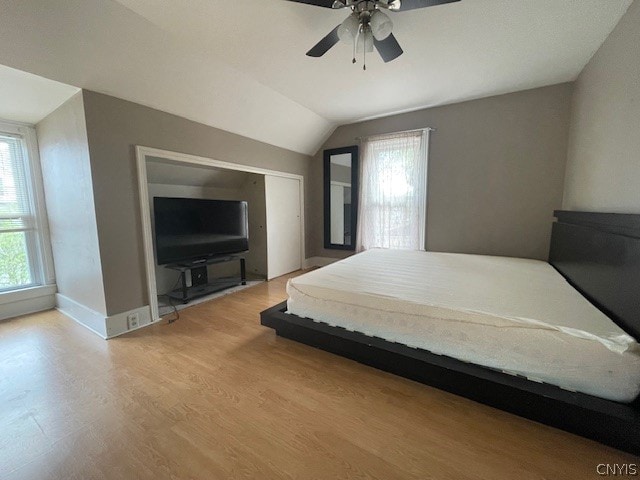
364	52
355	44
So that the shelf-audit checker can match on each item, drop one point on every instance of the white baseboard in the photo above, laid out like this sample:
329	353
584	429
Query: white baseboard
28	300
104	326
318	261
117	324
85	316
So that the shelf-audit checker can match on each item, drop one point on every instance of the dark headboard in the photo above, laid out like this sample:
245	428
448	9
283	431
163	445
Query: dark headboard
599	254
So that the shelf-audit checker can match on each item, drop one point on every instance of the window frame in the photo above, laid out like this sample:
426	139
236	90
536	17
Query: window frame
38	240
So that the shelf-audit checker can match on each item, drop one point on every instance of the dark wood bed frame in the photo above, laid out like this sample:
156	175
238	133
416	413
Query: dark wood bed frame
599	254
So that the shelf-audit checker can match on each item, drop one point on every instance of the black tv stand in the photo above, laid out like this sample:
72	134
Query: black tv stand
185	293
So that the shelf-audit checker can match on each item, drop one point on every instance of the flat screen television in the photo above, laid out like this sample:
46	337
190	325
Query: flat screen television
191	229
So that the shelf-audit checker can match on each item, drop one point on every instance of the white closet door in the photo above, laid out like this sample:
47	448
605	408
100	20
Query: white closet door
284	236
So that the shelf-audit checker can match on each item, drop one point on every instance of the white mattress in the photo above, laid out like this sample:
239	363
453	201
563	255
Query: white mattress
515	315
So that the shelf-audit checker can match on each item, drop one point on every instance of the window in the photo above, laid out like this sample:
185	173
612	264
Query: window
393	191
22	235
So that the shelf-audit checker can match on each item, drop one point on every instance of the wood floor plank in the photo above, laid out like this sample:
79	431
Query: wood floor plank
215	396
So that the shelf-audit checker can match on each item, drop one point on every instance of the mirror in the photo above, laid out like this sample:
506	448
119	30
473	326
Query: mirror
340	197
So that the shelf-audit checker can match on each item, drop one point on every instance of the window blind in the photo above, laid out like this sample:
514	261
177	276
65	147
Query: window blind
15	209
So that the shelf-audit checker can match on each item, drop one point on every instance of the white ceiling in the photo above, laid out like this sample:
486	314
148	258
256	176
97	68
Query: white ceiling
240	65
164	172
29	98
103	46
453	52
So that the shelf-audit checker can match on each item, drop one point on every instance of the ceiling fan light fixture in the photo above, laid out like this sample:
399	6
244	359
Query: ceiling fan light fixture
348	29
381	25
368	21
365	42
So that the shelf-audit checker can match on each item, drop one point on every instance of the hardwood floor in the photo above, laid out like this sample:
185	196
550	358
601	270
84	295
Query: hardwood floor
216	396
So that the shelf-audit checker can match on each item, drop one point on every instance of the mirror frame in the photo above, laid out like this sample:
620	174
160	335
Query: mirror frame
353	150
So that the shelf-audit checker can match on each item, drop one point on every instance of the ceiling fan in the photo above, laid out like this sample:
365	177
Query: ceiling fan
367	26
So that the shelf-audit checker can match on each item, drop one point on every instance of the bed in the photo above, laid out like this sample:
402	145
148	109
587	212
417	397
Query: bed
554	342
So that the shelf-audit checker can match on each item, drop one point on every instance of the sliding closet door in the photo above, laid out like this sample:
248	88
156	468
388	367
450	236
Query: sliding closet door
284	238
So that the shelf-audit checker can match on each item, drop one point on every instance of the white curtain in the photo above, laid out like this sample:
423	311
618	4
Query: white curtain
393	191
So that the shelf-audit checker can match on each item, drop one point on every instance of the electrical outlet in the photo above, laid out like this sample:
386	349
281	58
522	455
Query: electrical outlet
132	321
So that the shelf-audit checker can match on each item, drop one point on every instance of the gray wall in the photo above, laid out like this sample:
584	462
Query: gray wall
66	172
495	175
603	166
496	171
114	127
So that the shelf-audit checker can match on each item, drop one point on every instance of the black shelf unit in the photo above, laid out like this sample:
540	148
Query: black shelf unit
185	293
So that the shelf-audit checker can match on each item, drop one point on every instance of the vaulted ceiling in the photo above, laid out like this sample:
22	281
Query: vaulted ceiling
240	65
